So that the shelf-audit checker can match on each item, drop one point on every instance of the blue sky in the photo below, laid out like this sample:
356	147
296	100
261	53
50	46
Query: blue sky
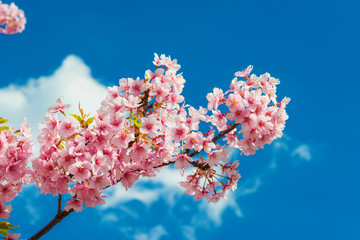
303	186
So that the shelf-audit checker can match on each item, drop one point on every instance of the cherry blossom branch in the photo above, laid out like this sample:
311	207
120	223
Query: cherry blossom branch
216	138
57	219
132	137
203	166
62	214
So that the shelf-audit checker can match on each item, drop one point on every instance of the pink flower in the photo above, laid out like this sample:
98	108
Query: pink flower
68	126
182	161
80	171
160	90
75	204
5	211
234	101
128	179
25	129
132	102
136	86
194	141
216	156
244	73
239	115
99	182
150	125
59	106
14	236
179	132
122	140
219	120
215	99
158	73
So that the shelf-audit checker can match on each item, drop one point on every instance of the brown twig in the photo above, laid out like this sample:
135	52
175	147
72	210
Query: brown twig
58	218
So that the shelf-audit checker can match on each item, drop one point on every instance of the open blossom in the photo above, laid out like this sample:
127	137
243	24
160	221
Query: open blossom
245	72
215	99
5	211
68	126
150	126
75	204
80	171
59	106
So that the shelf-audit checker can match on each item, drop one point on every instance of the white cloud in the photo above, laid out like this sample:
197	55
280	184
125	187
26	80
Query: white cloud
109	217
30	194
72	80
189	232
155	234
215	211
302	151
165	185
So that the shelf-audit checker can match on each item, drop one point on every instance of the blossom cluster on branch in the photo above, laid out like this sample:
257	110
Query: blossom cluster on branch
142	126
12	17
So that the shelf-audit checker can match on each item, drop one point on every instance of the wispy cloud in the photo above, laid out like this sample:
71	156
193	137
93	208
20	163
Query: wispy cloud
302	151
214	211
188	232
109	217
154	233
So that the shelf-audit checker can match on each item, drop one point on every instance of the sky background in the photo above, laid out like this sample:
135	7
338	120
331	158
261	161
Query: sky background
303	186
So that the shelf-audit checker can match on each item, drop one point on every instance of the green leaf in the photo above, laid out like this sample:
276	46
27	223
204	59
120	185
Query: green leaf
77	117
3	128
89	121
135	120
4	232
5	227
2	120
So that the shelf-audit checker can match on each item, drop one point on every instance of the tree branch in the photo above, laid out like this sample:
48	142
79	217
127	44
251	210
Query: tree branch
58	217
59	204
203	166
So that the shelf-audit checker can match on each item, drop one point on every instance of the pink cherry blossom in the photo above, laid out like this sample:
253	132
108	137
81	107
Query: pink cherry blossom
75	204
14	236
215	99
150	125
12	17
80	171
5	211
128	179
59	106
68	126
179	132
245	72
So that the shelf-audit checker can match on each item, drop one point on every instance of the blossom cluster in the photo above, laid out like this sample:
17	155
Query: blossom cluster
12	17
15	150
143	126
